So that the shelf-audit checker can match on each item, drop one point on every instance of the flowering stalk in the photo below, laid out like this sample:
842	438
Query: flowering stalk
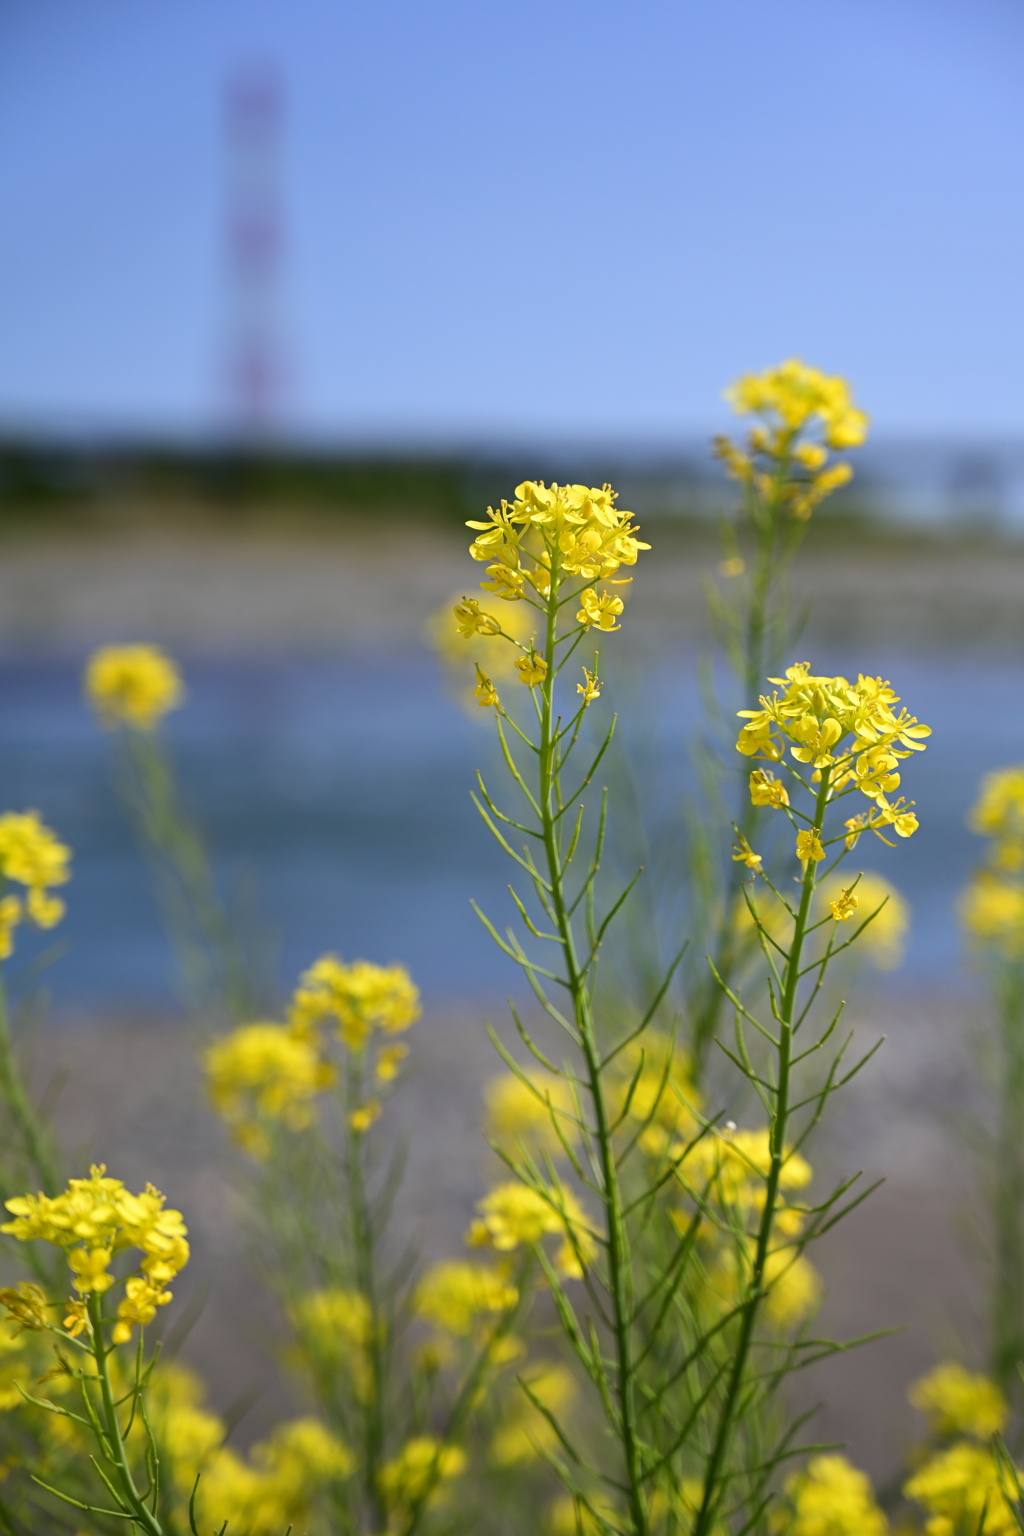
131	688
801	415
852	740
992	912
92	1222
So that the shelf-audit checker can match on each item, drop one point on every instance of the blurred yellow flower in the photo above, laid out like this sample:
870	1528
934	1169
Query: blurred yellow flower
955	1486
132	685
526	1433
959	1402
453	1294
420	1463
829	1497
31	855
992	912
359	997
264	1072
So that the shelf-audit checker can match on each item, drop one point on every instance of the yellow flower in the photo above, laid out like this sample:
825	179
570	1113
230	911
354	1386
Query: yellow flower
743	853
366	1115
955	1486
844	906
96	1218
766	789
829	1497
360	997
132	685
525	1112
808	846
657	1074
505	581
470	620
421	1462
76	1318
850	728
532	669
32	855
992	912
264	1072
959	1402
453	1294
513	1214
137	1307
340	1319
883	938
998	812
485	692
590	686
735	565
599	609
389	1061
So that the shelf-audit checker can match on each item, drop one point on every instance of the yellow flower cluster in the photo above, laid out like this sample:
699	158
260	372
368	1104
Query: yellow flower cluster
958	1482
421	1461
94	1220
804	414
992	906
513	1215
133	685
277	1486
829	1497
31	855
849	728
883	939
359	998
265	1072
523	1110
959	1402
730	1169
453	1295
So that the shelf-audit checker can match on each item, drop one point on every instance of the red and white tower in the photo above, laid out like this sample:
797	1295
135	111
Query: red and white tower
254	120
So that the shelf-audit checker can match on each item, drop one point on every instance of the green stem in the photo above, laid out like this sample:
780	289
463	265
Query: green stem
114	1450
618	1249
1007	1348
366	1283
39	1155
777	1143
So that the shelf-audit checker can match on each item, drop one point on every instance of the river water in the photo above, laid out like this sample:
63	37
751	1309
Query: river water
338	783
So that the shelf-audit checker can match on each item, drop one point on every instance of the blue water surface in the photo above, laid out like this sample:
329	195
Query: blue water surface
339	784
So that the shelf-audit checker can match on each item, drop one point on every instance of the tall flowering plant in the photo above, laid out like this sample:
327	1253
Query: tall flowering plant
687	1237
802	422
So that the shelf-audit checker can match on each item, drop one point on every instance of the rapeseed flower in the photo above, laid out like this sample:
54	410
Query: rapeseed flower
959	1402
453	1295
262	1073
524	1112
883	939
30	855
955	1486
532	668
998	814
803	415
94	1220
133	685
766	789
742	853
851	729
421	1461
808	847
513	1215
992	912
359	997
577	528
590	686
366	1115
829	1497
657	1075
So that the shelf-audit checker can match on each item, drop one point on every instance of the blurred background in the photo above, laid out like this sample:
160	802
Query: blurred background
288	292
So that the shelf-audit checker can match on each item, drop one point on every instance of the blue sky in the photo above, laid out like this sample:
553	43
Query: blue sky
537	219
